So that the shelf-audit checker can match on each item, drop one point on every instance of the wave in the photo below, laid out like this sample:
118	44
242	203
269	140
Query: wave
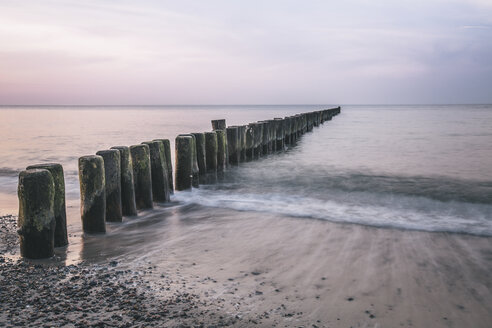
403	212
307	180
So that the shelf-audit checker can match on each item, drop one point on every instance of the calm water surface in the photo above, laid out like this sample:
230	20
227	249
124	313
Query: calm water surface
412	167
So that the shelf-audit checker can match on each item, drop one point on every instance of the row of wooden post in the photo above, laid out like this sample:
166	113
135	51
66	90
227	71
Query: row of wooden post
200	157
122	180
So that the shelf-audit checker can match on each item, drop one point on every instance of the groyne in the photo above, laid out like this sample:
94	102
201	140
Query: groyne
118	182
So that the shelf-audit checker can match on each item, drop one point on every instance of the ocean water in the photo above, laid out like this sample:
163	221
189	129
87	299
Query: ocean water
408	167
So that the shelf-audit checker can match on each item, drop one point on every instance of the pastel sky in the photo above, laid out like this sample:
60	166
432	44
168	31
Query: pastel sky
245	52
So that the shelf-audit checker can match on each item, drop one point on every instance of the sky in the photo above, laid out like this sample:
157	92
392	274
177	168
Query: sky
56	52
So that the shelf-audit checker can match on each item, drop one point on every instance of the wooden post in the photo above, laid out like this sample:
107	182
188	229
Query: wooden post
128	205
112	187
36	222
184	163
92	194
142	176
56	170
158	170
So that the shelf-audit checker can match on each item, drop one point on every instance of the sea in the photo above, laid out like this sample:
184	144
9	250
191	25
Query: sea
418	167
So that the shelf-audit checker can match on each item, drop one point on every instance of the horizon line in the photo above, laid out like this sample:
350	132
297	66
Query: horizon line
197	105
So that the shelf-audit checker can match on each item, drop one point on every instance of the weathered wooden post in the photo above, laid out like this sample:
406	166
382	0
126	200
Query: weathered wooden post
221	150
287	130
258	132
158	169
169	165
264	137
56	170
92	194
112	186
211	147
142	176
194	161
184	162
201	155
232	144
279	127
128	205
272	140
242	129
250	142
36	221
218	124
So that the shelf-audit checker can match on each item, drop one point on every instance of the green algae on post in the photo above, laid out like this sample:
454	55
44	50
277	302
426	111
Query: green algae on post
142	176
92	193
232	144
221	150
194	161
169	164
160	185
201	155
218	124
56	170
112	175
211	149
184	163
36	222
128	206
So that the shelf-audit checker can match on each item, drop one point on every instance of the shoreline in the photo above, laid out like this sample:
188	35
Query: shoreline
245	268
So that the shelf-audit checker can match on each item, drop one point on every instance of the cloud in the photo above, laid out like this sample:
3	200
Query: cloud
231	52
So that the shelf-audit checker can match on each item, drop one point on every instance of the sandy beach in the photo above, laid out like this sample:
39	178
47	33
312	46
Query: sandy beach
185	268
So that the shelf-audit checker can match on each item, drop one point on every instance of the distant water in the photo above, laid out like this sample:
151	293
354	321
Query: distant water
411	167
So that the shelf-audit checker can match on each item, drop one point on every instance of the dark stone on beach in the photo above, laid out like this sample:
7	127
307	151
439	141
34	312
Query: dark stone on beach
218	124
56	170
36	222
184	162
112	176
128	205
158	169
142	176
92	193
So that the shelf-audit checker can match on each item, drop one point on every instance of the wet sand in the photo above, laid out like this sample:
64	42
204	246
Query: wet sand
245	269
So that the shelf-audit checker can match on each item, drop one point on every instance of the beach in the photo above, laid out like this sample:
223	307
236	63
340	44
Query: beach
244	269
375	219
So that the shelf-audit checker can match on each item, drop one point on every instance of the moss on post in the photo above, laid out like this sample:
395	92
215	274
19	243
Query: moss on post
36	222
92	194
56	170
184	163
112	175
142	176
201	155
218	124
169	164
194	161
128	205
211	147
221	150
232	144
250	142
160	186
